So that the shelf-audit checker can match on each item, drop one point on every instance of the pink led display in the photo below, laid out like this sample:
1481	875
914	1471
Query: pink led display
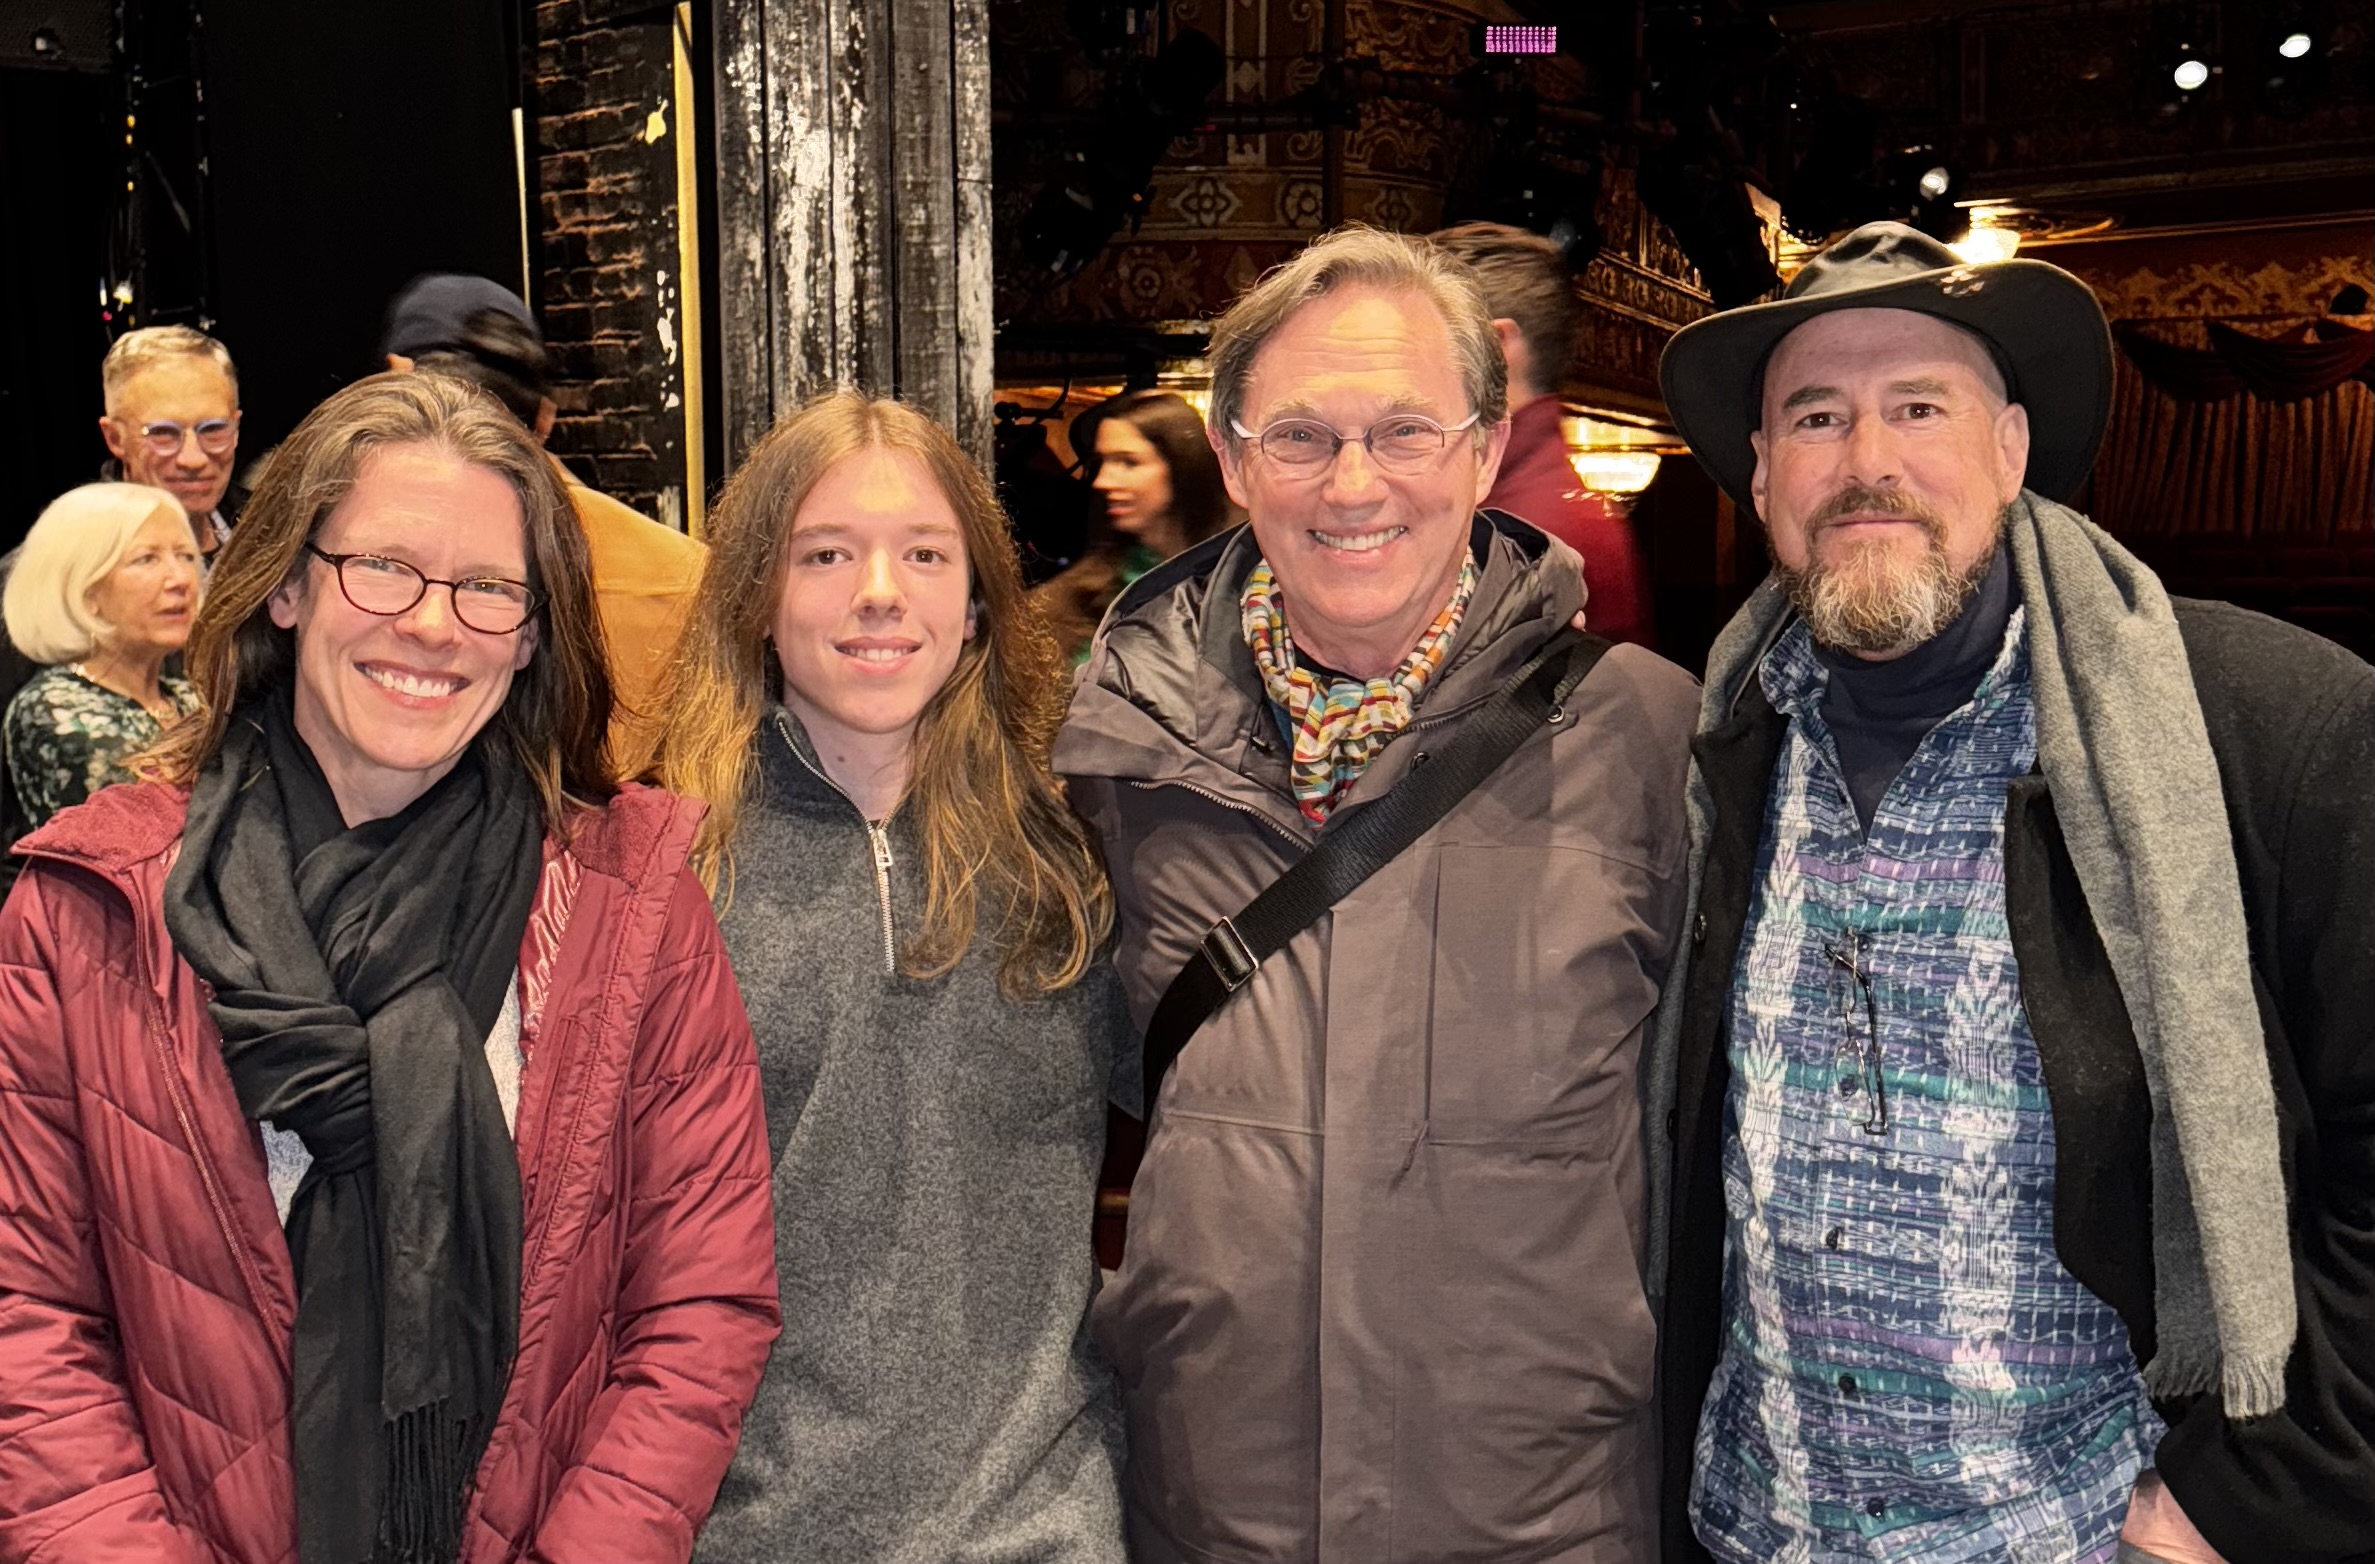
1521	40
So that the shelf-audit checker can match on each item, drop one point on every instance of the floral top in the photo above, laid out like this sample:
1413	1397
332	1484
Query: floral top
68	737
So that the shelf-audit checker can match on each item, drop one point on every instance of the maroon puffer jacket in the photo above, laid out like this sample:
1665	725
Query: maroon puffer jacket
146	1297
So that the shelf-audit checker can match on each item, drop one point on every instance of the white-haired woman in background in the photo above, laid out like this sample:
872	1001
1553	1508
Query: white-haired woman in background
104	591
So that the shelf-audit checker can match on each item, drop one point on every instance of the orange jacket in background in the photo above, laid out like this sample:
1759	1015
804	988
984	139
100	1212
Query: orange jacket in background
644	578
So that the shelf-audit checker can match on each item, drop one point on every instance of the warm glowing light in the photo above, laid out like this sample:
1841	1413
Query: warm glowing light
1936	182
1982	245
1615	472
2294	46
2189	75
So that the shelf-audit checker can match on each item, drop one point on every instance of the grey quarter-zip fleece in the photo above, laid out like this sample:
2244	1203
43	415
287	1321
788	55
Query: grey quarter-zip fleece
935	1397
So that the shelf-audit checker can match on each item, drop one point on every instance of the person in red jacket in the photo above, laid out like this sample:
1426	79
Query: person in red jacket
1536	314
382	1165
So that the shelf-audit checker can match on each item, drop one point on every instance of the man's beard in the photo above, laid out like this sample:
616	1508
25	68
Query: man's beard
1870	599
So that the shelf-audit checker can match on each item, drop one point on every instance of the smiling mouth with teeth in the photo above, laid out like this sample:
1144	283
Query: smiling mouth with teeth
1359	542
876	654
411	684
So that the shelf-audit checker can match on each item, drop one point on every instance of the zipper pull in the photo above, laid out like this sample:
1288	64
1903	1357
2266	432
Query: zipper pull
882	846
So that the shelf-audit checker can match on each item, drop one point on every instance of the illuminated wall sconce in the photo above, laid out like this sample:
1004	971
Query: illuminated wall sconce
1615	472
1617	459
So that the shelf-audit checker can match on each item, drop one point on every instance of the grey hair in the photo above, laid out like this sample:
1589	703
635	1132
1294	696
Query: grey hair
135	351
1357	256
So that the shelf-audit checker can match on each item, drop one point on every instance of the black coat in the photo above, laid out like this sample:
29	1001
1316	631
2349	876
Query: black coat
2291	719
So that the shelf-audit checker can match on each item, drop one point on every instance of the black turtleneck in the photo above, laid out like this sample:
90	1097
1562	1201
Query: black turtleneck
1879	712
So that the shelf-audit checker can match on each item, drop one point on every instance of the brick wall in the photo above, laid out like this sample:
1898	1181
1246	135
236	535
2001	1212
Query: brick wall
604	142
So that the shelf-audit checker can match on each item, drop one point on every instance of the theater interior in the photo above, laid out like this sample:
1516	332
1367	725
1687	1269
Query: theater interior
1008	210
716	206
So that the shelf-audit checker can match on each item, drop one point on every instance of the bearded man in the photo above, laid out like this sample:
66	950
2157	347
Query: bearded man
2017	1082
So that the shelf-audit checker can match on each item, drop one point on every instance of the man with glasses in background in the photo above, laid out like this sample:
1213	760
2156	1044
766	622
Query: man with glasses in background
1382	1300
172	422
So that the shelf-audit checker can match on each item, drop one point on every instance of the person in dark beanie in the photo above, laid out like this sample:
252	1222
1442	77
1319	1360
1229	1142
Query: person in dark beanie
2014	1093
644	573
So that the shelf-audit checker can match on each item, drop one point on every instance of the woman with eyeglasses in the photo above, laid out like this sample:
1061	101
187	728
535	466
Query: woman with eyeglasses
384	1173
918	925
103	592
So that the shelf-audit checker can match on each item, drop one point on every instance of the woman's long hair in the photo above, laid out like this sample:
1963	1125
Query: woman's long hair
998	840
1200	503
553	719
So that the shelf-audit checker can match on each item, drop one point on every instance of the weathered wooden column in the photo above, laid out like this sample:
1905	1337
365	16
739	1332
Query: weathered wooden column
853	187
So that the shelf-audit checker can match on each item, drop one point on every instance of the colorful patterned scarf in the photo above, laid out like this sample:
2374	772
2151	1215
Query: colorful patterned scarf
1341	725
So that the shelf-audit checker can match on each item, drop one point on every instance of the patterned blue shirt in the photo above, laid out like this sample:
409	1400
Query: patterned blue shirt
1908	1372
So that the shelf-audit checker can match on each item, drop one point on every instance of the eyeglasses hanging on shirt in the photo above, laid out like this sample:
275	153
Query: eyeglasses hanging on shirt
1846	954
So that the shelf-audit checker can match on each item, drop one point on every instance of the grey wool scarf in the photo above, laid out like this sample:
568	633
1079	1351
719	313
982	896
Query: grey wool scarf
2121	742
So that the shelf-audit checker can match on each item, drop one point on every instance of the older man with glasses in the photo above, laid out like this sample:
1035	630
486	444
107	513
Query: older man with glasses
1399	871
172	421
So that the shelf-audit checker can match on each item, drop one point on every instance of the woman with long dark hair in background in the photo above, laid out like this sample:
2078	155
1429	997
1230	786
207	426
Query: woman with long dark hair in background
384	1174
918	923
1161	491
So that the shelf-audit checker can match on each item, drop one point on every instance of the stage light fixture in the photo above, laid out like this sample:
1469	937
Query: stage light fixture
2294	68
2190	75
1700	199
1835	185
1106	184
1919	185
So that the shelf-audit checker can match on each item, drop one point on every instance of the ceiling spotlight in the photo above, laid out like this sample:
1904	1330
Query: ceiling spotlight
2189	75
1921	184
2295	45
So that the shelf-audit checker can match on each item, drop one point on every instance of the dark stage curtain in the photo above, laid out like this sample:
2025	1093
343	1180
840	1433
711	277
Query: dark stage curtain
2306	361
2299	470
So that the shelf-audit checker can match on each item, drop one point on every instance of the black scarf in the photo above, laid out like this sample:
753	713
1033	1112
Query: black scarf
357	974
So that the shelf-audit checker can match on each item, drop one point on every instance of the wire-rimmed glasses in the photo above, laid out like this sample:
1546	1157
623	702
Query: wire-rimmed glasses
1400	442
1847	956
379	585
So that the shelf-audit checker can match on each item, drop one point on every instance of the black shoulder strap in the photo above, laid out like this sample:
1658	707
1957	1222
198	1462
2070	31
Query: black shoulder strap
1372	837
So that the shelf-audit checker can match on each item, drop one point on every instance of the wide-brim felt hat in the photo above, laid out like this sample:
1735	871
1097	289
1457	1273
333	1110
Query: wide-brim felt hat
2045	326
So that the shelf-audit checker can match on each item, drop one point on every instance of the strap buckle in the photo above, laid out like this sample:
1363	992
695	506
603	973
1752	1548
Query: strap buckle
1224	950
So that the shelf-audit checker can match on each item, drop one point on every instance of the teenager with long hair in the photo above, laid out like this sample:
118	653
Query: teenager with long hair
381	1163
917	921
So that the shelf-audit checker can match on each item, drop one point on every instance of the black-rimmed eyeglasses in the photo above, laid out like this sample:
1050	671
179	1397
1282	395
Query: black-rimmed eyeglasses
1405	442
379	585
